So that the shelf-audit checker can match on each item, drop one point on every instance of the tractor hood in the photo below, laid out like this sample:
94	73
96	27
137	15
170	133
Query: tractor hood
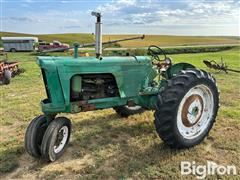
53	62
131	74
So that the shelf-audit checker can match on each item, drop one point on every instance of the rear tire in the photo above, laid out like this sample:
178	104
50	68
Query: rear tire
7	77
125	111
187	108
56	138
34	135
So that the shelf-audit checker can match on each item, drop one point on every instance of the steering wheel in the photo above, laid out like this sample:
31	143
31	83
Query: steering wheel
155	51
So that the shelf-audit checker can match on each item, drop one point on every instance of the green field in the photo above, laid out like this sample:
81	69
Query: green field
164	40
160	40
105	146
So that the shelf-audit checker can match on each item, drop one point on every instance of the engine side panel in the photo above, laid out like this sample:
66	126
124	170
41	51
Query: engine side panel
129	74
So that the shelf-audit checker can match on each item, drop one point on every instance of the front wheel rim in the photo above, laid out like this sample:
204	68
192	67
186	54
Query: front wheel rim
61	140
195	111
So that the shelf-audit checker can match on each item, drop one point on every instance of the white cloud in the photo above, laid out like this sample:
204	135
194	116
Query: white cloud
132	16
158	13
50	21
108	8
127	2
116	6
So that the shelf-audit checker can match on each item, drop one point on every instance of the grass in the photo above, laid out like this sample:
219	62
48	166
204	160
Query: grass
160	40
168	50
165	40
105	146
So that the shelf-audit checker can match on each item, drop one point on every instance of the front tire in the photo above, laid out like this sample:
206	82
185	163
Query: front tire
34	135
187	108
56	138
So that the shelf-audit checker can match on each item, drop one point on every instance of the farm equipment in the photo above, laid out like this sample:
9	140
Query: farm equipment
184	98
219	66
8	70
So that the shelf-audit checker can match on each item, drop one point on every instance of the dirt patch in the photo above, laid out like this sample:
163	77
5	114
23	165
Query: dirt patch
30	168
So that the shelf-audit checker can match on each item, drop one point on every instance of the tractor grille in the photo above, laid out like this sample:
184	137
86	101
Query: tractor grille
46	85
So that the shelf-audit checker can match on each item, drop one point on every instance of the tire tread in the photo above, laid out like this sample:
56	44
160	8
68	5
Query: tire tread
164	114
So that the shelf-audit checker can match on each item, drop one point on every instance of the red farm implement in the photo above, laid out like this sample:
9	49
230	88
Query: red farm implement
8	69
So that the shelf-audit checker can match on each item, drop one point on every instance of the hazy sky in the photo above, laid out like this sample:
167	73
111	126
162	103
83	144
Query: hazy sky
182	17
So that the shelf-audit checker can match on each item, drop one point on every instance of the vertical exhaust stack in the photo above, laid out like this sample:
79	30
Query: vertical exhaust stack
98	34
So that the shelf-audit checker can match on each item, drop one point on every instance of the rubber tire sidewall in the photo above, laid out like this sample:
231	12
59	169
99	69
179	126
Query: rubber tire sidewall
168	103
7	77
49	138
32	135
198	139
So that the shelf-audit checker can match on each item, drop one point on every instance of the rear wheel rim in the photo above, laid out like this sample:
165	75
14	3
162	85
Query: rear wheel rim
61	140
195	111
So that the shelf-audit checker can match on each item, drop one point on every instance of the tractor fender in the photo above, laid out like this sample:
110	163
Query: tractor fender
176	68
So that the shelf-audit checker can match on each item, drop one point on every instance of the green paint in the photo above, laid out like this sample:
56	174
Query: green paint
76	46
76	83
176	68
135	77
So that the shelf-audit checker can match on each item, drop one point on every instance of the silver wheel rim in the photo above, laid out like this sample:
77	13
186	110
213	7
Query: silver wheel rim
64	133
133	107
195	111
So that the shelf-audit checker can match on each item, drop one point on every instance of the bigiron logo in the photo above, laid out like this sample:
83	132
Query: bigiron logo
211	168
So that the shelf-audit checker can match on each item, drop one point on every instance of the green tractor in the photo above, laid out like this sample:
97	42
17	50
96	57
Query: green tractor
184	98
